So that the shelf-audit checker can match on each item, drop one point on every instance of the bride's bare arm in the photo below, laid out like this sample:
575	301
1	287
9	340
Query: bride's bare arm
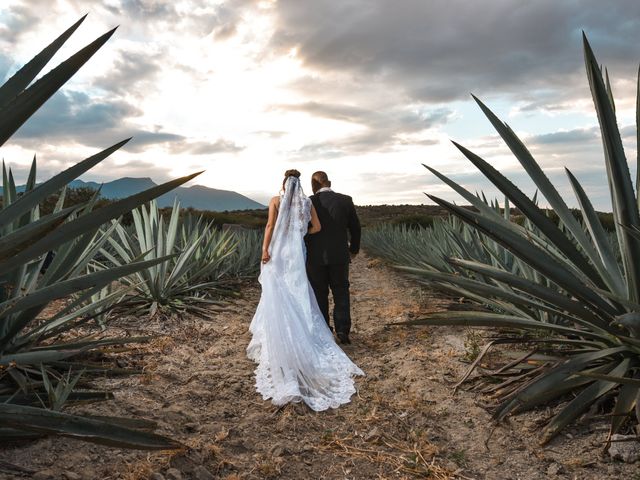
315	222
268	230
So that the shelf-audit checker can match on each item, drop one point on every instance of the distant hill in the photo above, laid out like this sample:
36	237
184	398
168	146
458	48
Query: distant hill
197	196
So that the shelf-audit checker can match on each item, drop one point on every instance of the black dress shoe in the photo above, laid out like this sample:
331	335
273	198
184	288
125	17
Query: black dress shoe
344	338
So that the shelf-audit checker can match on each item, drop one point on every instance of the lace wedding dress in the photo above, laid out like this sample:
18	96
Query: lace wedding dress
298	359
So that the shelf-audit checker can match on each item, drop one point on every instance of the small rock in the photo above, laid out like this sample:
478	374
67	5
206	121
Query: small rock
555	469
239	446
450	464
173	474
71	475
307	447
625	448
191	427
43	475
156	476
196	457
201	473
277	450
373	434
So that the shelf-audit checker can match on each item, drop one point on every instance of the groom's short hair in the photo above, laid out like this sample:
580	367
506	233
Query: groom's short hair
319	180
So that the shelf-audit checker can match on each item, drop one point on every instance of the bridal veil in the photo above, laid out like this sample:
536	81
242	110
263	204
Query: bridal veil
298	359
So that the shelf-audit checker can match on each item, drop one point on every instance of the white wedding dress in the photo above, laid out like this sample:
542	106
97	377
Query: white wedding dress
298	359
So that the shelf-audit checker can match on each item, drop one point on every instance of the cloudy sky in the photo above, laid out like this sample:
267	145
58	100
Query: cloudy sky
366	90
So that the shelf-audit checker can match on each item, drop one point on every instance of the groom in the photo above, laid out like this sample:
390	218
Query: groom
330	250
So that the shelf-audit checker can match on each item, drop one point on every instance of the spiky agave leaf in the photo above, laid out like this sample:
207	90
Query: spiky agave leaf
29	354
105	432
580	291
182	282
23	77
18	110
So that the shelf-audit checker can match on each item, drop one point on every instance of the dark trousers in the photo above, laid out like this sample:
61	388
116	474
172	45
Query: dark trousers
336	277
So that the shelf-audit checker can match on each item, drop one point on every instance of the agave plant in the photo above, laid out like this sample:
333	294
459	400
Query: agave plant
593	351
429	251
431	247
179	283
38	348
244	262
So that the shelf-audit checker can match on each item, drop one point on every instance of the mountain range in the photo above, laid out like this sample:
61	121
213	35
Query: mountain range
197	196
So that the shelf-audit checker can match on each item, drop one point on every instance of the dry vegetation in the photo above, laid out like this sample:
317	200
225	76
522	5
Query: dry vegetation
405	422
193	384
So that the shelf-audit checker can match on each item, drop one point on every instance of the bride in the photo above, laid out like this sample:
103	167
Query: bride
298	359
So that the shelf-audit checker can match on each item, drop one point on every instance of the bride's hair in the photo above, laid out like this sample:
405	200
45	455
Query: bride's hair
290	173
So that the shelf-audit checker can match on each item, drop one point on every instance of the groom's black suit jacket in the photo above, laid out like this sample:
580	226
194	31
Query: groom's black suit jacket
337	215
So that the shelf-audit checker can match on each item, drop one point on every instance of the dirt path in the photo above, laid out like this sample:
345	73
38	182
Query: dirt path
403	423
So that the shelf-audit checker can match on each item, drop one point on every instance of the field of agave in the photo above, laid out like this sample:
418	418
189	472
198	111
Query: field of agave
63	274
562	292
566	293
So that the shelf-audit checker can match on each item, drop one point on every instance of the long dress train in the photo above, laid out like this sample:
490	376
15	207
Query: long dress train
298	358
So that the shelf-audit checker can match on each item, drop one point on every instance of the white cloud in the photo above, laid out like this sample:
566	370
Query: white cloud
365	90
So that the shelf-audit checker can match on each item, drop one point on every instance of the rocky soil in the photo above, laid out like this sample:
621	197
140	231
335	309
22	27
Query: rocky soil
404	422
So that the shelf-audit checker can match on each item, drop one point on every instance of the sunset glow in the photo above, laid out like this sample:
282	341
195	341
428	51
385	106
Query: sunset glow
246	89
